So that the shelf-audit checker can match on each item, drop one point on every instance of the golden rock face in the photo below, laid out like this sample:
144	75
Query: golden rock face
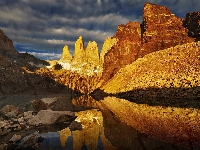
66	56
159	30
79	51
92	54
108	43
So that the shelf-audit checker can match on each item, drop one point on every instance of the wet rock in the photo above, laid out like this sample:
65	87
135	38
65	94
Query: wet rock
15	138
75	126
48	117
28	141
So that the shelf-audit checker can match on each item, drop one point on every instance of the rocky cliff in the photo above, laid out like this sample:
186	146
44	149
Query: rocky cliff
124	51
16	77
159	30
6	46
170	73
108	43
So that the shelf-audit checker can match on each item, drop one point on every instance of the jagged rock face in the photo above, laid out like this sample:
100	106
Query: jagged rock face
92	54
160	30
124	51
79	52
6	46
108	43
192	23
66	56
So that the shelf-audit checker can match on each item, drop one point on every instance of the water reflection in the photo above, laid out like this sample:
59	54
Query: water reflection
117	124
178	126
104	130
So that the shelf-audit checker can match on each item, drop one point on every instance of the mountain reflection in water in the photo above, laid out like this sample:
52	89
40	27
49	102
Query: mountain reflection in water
118	124
104	129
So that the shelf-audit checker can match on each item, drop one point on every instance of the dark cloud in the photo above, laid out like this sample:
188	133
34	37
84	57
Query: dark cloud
47	25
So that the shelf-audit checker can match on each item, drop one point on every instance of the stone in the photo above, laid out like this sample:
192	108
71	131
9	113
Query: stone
15	138
28	141
66	56
10	111
48	117
28	115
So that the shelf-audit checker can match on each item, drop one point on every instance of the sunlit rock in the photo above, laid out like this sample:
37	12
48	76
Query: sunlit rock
108	43
92	54
176	68
66	56
79	52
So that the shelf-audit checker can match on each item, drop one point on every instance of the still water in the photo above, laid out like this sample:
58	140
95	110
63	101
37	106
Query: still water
109	124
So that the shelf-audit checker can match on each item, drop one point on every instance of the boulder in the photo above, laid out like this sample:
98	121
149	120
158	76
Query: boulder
48	117
15	138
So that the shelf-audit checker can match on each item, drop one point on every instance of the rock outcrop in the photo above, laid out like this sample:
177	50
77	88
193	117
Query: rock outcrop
66	56
124	51
159	30
172	73
192	23
6	46
79	52
92	54
108	43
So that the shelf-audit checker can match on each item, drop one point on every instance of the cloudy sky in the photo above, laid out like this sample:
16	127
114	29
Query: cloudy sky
43	27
